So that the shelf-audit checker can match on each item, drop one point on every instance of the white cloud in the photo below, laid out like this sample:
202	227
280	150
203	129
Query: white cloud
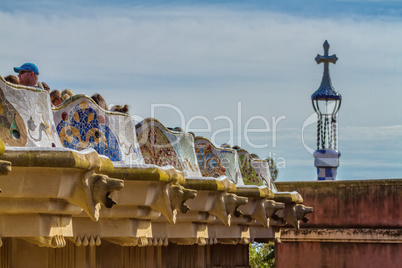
370	134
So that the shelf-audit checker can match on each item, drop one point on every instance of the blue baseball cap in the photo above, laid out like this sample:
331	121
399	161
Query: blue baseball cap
27	66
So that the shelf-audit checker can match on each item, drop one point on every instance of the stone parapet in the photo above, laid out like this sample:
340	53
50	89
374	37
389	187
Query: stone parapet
354	224
354	203
79	176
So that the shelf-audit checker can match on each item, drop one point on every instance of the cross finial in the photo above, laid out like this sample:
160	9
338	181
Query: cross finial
326	59
326	90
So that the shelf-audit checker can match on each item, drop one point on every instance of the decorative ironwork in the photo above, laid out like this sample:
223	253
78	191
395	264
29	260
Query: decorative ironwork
330	100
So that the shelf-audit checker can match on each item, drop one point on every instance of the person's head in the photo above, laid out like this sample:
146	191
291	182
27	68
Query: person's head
12	79
119	108
99	100
226	146
55	97
66	94
45	86
28	74
178	129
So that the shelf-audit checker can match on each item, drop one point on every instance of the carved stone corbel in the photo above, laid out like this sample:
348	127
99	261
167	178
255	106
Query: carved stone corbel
179	195
171	198
219	209
293	213
226	205
94	190
271	207
301	211
233	202
266	209
5	167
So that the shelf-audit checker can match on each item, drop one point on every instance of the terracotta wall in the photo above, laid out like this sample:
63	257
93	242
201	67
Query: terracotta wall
354	206
332	255
369	203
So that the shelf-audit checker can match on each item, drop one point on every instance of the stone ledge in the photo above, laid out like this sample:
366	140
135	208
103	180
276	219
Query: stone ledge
291	185
347	235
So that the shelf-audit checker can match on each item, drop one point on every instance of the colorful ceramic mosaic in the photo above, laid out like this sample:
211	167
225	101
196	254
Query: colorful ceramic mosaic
83	127
161	146
26	119
255	171
156	148
82	124
210	164
215	162
326	173
110	133
248	172
12	127
183	144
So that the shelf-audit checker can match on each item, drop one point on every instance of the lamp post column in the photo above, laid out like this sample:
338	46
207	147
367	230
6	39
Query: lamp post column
326	103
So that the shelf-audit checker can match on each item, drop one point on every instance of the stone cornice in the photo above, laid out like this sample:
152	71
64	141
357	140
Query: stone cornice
342	235
291	185
80	173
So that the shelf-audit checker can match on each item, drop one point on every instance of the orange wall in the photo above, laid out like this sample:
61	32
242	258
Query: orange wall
347	204
334	255
370	204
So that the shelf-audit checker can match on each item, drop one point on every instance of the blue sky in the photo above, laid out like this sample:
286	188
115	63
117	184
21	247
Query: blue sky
208	58
311	8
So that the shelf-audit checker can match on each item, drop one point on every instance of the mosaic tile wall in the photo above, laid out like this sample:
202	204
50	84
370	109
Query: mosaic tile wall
215	162
161	146
26	118
255	171
262	169
156	148
81	124
209	162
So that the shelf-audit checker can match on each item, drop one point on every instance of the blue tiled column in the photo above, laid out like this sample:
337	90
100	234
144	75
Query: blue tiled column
326	161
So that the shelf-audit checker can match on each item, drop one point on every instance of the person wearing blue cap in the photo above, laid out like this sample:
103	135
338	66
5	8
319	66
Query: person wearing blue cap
28	74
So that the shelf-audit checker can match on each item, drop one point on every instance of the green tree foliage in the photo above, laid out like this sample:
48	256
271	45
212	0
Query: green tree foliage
272	168
261	255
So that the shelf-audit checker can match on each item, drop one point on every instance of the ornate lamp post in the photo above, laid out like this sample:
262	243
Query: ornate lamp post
326	103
